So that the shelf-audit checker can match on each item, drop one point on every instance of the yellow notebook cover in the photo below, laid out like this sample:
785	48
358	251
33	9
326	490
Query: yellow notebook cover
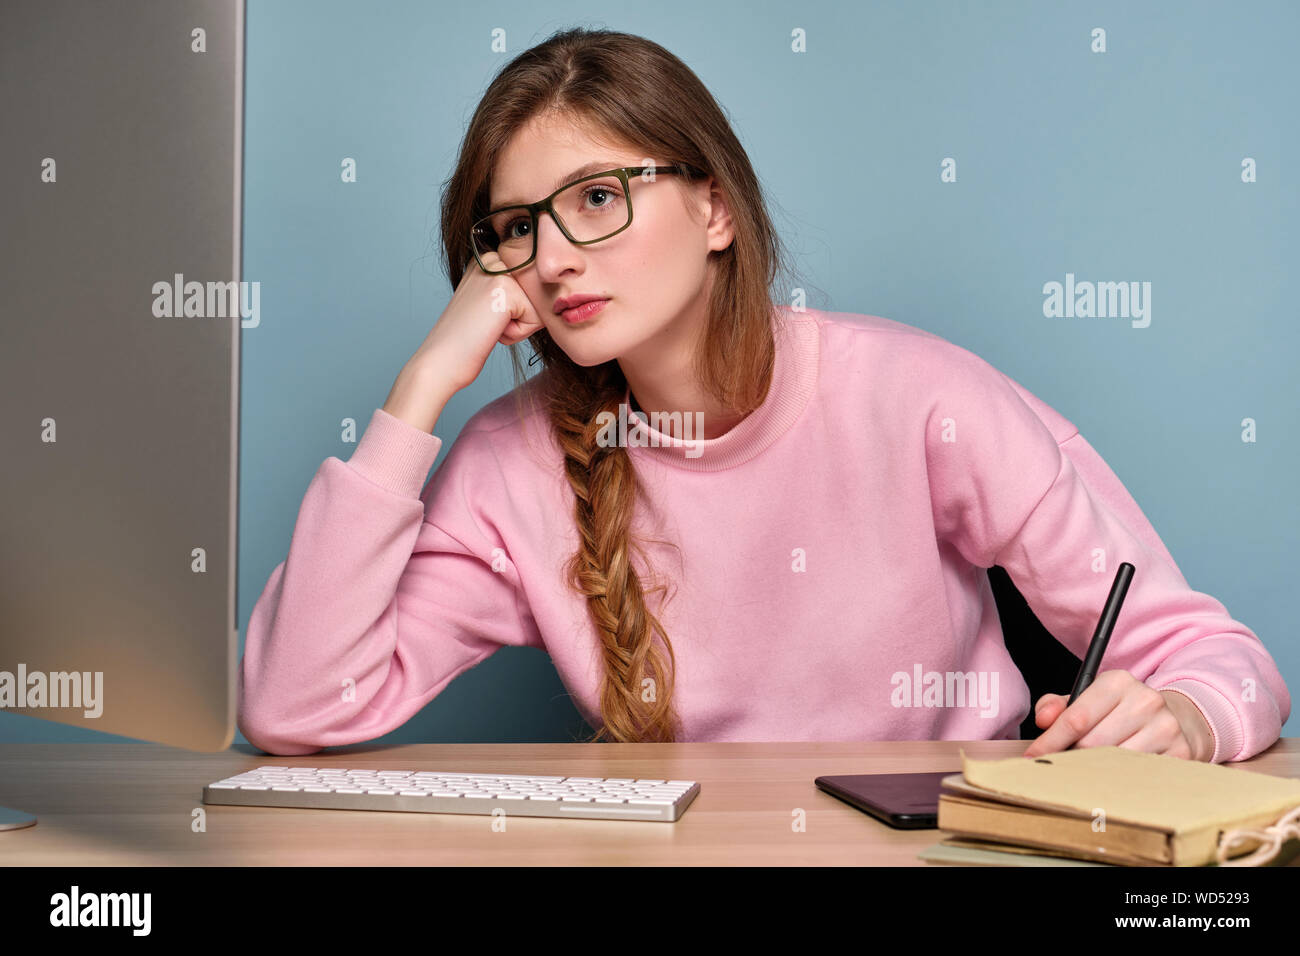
1190	801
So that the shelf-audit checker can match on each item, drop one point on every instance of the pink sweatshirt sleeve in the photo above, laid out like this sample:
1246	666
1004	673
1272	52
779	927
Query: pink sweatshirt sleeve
1005	493
376	609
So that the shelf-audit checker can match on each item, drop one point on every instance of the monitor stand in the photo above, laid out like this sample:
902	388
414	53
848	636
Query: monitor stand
11	819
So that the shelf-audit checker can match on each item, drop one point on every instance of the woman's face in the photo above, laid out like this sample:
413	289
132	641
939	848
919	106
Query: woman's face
654	273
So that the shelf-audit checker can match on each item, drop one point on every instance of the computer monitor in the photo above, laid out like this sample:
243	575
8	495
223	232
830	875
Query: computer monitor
119	365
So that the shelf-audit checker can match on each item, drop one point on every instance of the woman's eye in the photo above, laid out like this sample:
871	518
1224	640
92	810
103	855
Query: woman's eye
608	194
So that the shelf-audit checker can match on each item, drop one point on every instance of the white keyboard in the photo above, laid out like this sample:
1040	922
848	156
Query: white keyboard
427	791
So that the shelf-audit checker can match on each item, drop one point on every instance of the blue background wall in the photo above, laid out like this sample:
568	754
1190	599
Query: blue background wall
1123	165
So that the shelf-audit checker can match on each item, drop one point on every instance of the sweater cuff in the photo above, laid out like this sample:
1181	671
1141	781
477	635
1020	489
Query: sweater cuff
1225	724
395	455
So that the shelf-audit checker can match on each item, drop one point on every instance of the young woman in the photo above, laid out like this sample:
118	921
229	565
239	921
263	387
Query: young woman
824	535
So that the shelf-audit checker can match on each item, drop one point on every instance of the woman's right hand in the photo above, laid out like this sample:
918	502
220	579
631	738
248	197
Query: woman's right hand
483	311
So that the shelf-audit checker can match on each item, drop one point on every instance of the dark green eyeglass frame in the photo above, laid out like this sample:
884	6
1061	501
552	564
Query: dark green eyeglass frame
544	205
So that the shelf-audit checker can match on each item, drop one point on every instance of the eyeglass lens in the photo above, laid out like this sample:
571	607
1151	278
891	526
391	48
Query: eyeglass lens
590	210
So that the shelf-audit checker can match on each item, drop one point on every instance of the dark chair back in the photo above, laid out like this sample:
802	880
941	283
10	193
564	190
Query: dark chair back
1048	667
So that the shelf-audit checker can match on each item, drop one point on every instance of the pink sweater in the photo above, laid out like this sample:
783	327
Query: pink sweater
832	548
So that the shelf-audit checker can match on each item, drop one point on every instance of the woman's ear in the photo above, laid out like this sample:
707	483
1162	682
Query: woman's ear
717	216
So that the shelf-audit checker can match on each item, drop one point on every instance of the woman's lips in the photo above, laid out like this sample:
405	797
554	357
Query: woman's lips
581	313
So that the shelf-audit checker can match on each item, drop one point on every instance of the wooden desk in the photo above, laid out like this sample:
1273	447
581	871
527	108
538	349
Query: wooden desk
132	804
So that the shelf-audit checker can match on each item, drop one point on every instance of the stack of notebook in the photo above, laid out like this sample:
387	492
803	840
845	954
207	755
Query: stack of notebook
1111	805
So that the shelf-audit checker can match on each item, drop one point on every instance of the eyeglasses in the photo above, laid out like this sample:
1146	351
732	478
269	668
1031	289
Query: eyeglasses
575	208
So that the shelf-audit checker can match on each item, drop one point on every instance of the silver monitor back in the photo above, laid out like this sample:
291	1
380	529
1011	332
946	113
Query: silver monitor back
120	174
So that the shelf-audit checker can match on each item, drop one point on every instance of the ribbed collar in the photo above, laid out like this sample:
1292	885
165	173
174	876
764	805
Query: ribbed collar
798	344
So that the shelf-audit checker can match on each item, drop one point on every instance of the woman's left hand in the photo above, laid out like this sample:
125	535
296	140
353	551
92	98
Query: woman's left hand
1119	710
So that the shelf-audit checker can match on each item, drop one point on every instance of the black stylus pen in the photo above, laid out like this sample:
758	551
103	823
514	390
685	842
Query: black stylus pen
1101	636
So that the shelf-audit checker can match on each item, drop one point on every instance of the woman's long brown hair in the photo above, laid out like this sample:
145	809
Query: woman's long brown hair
631	90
